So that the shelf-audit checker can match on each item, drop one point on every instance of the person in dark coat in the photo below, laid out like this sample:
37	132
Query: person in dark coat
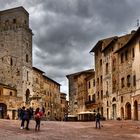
97	119
26	117
21	114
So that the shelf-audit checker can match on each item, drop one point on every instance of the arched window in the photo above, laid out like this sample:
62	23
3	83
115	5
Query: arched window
27	58
27	75
10	93
122	82
114	99
101	94
14	21
98	95
11	61
107	103
27	96
133	52
93	97
134	80
89	98
106	68
128	80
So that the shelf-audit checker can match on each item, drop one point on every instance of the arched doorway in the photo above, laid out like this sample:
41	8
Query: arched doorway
27	96
122	113
13	114
114	114
102	111
107	113
135	110
114	111
128	111
3	110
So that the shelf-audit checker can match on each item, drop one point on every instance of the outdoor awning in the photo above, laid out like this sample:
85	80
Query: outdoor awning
72	116
86	112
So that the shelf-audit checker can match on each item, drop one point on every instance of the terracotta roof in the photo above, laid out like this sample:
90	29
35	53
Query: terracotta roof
51	80
123	40
81	72
21	8
103	43
7	86
38	70
108	41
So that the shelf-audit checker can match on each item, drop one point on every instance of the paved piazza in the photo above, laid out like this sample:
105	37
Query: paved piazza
50	130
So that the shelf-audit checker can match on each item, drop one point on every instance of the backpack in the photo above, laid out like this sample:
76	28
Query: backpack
37	116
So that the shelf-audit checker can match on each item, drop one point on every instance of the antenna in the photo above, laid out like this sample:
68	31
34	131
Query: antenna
138	23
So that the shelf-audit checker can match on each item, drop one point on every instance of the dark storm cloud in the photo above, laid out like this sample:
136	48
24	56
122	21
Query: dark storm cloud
66	30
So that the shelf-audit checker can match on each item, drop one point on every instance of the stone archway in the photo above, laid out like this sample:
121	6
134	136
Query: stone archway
128	111
135	110
3	110
114	99
122	113
107	113
114	111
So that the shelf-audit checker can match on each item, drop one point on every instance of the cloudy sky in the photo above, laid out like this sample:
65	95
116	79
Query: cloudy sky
66	30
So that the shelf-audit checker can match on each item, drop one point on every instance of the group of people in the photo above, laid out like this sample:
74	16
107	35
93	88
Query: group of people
26	114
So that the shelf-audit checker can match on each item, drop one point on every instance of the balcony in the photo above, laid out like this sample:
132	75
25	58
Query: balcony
35	97
90	102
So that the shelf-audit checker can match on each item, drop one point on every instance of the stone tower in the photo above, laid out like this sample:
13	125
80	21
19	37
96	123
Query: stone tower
16	51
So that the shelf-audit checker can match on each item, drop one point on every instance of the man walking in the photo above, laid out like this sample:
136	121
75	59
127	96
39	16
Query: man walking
97	119
21	114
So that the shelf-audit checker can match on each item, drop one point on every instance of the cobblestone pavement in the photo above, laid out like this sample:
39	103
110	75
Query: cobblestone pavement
50	130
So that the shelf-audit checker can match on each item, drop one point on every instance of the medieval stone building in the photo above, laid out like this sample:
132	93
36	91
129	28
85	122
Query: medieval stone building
22	84
46	93
116	81
64	106
16	51
81	100
117	76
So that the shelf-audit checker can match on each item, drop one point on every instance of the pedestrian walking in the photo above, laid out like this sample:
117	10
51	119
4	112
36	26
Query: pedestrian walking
31	112
38	115
26	117
97	120
21	114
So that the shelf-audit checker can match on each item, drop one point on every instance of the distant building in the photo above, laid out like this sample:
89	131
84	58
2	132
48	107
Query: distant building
52	98
78	94
64	106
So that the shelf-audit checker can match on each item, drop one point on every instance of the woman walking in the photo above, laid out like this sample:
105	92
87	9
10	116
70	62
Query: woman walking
38	115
